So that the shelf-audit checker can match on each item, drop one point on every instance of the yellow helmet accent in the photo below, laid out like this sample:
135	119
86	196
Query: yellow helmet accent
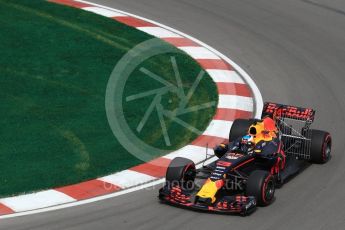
258	131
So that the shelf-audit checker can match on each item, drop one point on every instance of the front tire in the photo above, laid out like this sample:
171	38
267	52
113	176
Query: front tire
181	171
260	184
321	144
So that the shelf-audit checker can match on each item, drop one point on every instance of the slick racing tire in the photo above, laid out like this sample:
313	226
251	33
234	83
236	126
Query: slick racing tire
260	184
181	171
239	128
321	144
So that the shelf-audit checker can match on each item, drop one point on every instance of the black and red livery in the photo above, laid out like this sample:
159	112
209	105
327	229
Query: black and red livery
240	180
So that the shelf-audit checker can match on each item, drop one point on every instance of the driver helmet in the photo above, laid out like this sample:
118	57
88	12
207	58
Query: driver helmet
247	143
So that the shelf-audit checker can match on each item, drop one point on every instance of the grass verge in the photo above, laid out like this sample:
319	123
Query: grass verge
55	63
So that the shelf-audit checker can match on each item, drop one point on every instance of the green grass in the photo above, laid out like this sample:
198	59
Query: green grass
179	135
55	63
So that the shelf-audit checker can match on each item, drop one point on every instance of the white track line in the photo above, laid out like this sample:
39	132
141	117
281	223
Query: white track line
159	32
36	200
228	76
218	128
104	12
199	52
235	102
192	152
127	178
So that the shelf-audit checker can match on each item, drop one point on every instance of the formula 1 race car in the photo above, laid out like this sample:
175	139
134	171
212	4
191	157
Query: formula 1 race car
261	155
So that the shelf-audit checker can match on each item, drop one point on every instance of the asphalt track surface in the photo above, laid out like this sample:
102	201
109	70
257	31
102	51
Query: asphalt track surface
295	52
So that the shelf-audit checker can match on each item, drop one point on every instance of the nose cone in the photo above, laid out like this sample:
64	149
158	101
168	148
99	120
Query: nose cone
209	190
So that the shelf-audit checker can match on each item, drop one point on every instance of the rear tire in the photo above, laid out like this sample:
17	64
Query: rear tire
181	171
260	184
239	128
321	144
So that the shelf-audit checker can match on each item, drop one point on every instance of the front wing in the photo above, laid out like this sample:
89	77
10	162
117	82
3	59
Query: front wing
227	204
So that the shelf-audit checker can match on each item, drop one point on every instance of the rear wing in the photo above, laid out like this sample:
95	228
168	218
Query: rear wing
293	124
275	110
